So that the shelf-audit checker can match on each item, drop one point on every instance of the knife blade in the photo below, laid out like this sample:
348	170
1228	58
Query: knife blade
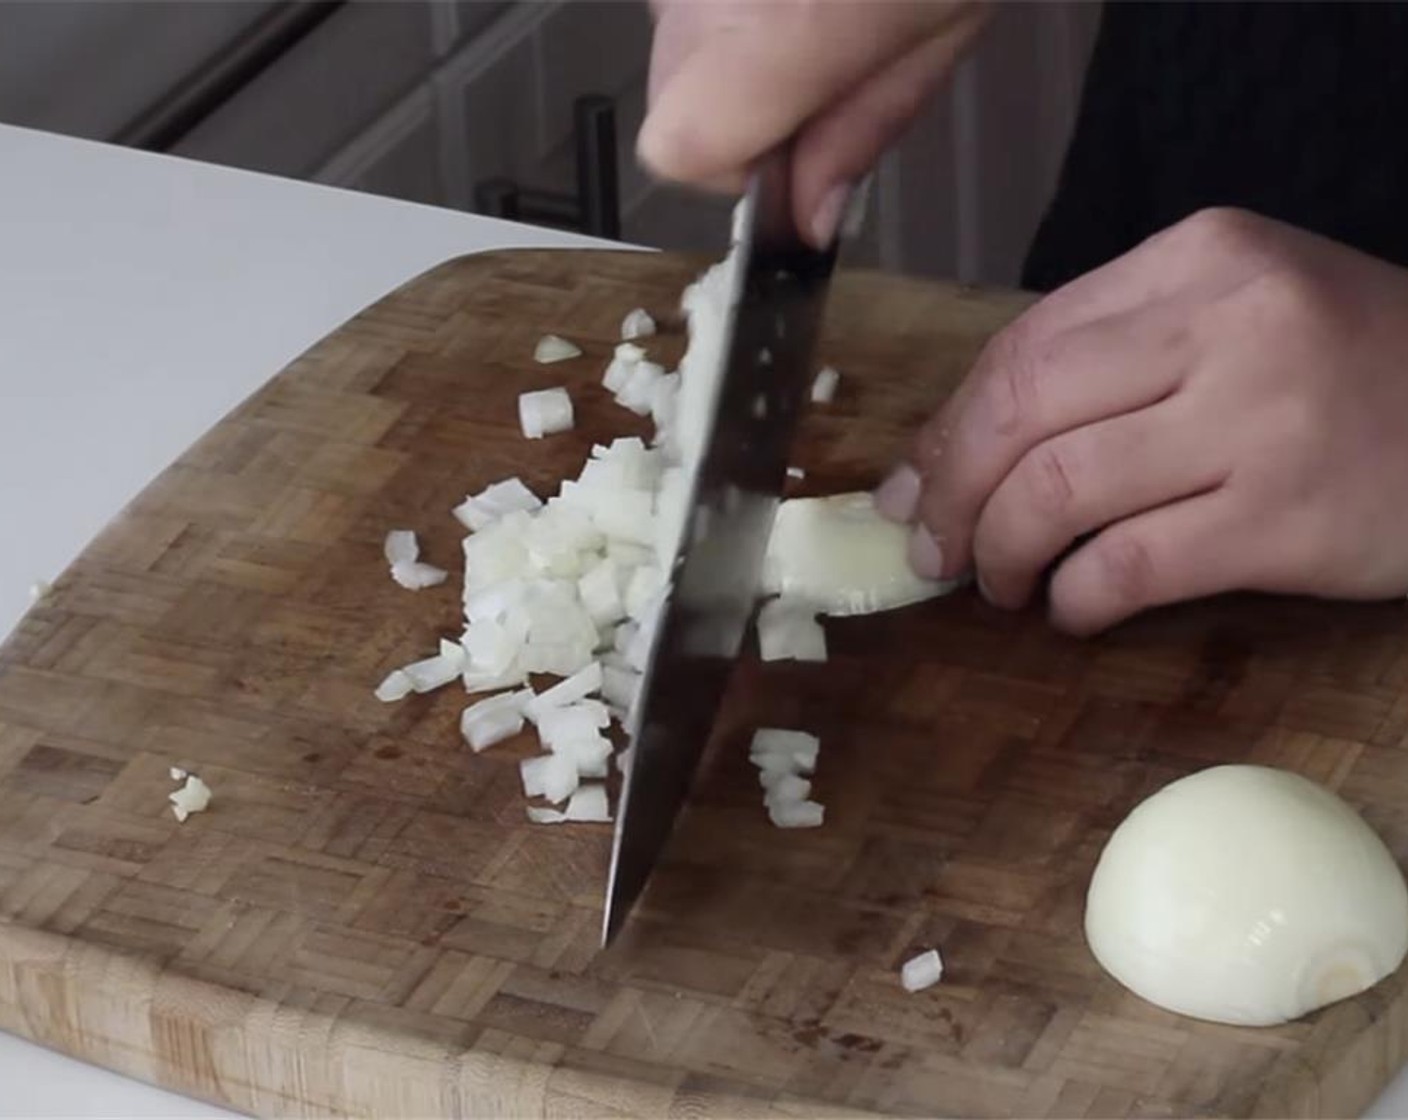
774	317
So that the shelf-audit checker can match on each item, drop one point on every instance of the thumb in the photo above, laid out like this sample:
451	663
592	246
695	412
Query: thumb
760	70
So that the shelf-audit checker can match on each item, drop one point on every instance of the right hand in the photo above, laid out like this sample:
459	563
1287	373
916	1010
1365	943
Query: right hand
731	79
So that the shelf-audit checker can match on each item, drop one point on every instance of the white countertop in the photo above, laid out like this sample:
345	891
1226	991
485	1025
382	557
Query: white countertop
142	297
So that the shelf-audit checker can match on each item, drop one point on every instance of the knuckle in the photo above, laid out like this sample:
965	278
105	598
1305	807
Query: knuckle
1011	364
1048	477
1221	229
1125	568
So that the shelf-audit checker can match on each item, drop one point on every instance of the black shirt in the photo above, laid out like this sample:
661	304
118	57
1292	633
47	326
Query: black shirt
1298	111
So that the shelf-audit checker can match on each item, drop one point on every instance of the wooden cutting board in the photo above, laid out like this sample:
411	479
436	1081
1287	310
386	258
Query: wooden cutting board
364	924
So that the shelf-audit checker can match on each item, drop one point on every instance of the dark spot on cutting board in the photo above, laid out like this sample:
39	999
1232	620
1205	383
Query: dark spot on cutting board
312	756
858	1042
808	1036
387	752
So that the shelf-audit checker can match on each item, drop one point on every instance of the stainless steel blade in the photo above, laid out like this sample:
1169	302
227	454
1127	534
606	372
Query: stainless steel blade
774	320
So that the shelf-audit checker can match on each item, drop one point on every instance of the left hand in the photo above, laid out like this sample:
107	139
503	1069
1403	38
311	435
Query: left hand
1224	408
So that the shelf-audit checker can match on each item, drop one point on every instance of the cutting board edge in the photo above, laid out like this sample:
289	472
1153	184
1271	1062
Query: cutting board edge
77	982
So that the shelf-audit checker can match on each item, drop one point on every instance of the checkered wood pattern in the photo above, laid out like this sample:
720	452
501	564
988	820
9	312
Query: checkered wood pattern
364	924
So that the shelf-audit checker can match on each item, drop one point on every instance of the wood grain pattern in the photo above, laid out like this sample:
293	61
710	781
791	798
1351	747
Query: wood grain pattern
363	923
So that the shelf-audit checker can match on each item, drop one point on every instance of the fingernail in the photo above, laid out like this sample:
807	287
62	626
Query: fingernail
897	498
925	556
827	215
853	220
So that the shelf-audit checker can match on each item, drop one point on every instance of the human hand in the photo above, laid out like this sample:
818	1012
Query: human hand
731	79
1224	408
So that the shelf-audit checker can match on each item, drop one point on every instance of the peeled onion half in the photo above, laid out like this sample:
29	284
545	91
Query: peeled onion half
1246	895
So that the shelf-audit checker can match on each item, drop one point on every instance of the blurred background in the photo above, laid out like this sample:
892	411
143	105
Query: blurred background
474	104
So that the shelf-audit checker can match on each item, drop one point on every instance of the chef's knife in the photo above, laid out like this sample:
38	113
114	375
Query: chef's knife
775	312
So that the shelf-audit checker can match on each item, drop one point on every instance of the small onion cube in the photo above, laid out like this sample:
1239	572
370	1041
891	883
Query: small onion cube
481	680
620	687
637	324
479	511
664	401
824	385
630	353
589	755
492	720
433	672
193	797
796	472
576	687
800	748
401	547
796	814
639	390
538	815
789	630
588	803
395	686
414	575
560	726
493	645
628	516
600	593
618	372
923	971
788	787
549	775
552	348
646	584
544	413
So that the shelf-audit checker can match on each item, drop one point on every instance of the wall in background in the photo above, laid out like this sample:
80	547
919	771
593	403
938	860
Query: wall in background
422	99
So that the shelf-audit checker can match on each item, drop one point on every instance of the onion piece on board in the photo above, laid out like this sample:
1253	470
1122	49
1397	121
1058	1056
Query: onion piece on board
544	412
637	324
553	348
923	971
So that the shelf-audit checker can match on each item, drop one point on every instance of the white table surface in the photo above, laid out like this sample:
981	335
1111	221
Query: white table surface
141	297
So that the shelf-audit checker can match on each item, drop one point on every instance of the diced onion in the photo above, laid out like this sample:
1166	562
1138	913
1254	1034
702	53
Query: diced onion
576	687
588	803
788	787
923	971
637	324
396	686
621	687
193	797
799	748
478	511
824	386
638	393
796	472
552	348
796	814
788	630
433	672
401	547
414	575
544	412
177	774
493	720
551	776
